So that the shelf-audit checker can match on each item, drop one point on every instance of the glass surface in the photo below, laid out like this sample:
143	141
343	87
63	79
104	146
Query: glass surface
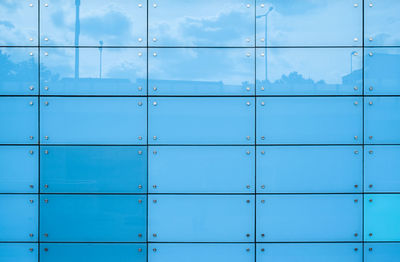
378	252
19	169
93	218
21	252
309	218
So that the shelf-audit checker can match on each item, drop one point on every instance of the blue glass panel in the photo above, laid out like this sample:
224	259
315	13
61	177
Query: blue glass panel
12	252
382	71
382	120
93	23
201	218
201	120
19	169
18	71
309	218
93	252
309	120
381	217
382	22
309	23
18	217
201	71
310	252
305	71
312	169
19	120
19	23
99	71
201	169
93	218
382	167
378	252
201	23
93	169
93	120
201	252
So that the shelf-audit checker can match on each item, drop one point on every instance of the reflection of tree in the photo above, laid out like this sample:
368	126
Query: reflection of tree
16	72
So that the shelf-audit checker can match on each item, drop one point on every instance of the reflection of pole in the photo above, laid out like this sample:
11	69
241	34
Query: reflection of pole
101	56
77	32
265	39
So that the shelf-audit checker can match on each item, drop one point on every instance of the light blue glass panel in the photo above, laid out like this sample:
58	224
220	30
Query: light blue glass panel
18	71
19	169
65	252
201	71
201	169
201	23
382	71
310	252
19	23
309	120
309	218
18	217
93	120
184	252
312	169
382	120
201	218
93	23
93	218
381	217
382	167
378	252
93	169
99	71
19	120
309	23
201	120
21	252
305	71
382	22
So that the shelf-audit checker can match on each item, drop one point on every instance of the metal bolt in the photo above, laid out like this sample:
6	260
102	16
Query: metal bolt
370	200
356	103
46	137
46	235
247	137
31	103
46	151
371	88
31	54
262	152
140	39
30	137
154	201
247	40
155	88
46	54
154	103
262	39
154	39
31	201
140	103
46	201
356	249
248	88
248	186
262	235
247	235
355	5
370	249
371	5
248	249
46	5
155	5
262	186
355	234
263	201
370	39
154	54
370	54
370	103
355	200
356	152
154	152
154	235
140	54
46	249
262	5
355	137
46	103
140	138
31	249
263	137
371	152
370	234
154	249
140	88
355	39
248	103
154	186
140	5
30	39
139	235
140	152
262	249
370	137
31	88
262	54
262	88
356	186
154	138
247	201
248	5
140	250
46	88
355	88
46	186
140	201
46	39
31	5
31	235
31	186
140	186
370	186
248	54
263	103
31	152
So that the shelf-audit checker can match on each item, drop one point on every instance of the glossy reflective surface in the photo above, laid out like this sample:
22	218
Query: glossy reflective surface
201	23
205	218
93	169
201	120
19	169
309	218
19	23
310	252
19	71
19	217
93	218
201	71
381	217
18	252
377	252
99	71
201	169
382	120
312	169
305	120
93	23
201	252
305	71
309	23
382	22
19	120
93	252
382	71
90	120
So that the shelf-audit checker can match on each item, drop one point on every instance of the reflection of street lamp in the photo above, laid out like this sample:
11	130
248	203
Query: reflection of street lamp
77	32
265	37
101	56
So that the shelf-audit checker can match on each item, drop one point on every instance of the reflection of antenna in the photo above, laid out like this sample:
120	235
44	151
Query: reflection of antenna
77	32
101	56
265	38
